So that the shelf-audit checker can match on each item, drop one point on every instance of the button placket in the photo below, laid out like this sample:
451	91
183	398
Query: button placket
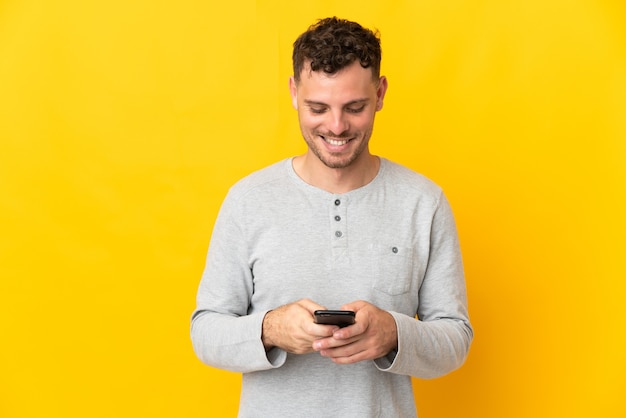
338	222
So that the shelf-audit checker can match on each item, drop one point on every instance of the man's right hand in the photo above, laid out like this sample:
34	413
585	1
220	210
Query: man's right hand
291	327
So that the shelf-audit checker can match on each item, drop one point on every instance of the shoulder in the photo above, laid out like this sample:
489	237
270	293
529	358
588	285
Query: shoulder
273	176
406	180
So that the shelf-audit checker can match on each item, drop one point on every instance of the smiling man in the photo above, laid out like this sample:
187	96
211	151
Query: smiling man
334	228
336	113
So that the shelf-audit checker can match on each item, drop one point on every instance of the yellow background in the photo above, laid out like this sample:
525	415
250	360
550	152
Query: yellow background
123	123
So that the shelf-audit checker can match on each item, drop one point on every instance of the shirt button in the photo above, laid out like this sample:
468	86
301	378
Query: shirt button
337	218
337	202
394	250
338	234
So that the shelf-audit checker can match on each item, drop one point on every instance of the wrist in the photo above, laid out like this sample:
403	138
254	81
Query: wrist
267	331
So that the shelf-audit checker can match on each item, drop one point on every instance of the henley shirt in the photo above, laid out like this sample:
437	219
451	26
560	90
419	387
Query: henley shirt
277	239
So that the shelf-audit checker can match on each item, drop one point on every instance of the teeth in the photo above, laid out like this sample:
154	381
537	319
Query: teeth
334	142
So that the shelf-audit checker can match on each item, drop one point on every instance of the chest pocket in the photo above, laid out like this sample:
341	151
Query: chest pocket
392	268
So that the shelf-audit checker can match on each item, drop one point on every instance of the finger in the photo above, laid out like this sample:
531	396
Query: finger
352	353
347	353
310	306
323	331
355	358
355	306
332	343
349	332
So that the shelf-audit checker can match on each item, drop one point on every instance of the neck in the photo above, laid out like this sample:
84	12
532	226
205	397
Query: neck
336	180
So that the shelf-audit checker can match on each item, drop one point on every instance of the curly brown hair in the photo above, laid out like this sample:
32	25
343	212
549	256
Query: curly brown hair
333	44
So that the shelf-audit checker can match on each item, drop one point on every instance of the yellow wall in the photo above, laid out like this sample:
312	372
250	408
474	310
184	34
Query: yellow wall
123	123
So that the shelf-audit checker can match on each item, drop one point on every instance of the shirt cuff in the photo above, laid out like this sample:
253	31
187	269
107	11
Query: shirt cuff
385	363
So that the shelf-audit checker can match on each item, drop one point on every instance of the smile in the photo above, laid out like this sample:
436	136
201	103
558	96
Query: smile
335	141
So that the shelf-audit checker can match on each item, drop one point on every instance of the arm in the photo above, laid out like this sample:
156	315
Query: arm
438	342
223	334
226	332
435	344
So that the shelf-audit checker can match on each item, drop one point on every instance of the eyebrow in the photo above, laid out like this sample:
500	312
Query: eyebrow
350	103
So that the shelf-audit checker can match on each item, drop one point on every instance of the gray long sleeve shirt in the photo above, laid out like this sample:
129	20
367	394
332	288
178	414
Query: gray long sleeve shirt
277	239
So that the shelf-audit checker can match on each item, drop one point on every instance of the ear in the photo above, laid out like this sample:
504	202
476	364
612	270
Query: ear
293	90
380	92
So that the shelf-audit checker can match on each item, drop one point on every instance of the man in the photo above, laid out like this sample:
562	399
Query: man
335	228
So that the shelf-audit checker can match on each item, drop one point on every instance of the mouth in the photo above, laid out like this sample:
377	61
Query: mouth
334	142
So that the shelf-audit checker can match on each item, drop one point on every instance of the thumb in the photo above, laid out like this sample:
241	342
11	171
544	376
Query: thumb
354	306
310	306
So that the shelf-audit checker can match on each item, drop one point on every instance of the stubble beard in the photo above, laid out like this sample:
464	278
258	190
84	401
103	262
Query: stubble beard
336	160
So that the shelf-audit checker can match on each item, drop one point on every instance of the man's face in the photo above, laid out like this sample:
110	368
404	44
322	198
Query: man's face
336	112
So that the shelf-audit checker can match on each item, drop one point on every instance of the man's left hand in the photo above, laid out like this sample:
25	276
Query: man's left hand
372	336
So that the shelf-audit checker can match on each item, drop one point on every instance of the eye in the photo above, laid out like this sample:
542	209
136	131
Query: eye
355	109
317	110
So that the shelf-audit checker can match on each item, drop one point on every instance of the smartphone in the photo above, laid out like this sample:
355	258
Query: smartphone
339	318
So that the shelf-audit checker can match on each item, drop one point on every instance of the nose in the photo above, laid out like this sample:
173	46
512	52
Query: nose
337	123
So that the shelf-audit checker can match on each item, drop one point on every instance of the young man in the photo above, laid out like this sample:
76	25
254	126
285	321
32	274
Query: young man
335	228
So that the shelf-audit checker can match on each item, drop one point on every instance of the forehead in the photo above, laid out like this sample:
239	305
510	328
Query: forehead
350	83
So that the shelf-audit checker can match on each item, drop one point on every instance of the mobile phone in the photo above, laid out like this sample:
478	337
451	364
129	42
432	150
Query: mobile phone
330	317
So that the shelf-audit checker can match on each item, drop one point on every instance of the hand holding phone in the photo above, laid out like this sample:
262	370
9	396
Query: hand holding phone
334	317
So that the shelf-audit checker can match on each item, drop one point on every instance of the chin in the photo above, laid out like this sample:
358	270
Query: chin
334	162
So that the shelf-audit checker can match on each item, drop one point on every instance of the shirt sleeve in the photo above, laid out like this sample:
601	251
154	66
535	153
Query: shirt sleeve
223	333
438	340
